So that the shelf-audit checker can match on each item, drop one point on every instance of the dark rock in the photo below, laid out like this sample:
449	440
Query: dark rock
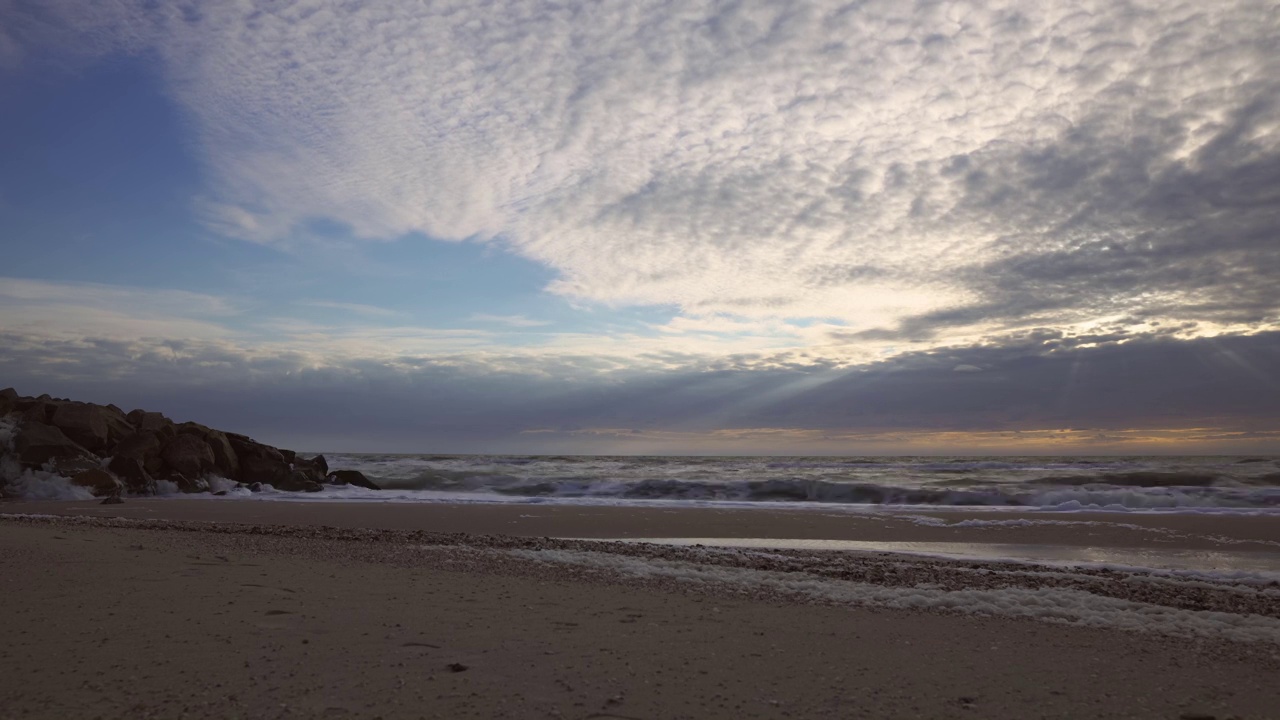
298	481
99	481
113	500
225	462
288	455
317	463
143	446
309	471
38	443
8	400
458	667
70	466
352	477
135	476
140	445
89	425
220	493
39	412
187	455
258	462
152	422
255	487
189	485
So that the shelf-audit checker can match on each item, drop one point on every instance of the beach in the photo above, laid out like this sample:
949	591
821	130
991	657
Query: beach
233	608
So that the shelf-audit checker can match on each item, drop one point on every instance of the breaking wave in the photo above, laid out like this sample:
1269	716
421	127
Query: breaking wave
1110	483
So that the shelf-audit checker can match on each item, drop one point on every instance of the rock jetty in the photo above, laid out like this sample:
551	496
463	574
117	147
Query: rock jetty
112	452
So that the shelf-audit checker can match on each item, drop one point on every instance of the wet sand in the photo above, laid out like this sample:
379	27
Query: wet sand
316	610
1206	532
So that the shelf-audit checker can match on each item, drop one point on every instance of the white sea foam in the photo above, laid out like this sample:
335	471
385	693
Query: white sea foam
1068	606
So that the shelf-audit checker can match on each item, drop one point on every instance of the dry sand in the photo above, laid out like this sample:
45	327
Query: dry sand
178	617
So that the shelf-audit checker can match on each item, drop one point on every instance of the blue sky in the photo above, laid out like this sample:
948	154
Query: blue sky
672	227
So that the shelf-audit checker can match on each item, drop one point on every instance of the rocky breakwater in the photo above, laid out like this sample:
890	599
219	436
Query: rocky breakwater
114	453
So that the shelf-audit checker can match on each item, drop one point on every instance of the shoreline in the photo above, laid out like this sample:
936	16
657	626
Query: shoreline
1171	531
154	617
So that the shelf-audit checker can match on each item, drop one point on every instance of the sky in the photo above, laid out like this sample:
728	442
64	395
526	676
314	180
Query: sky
651	226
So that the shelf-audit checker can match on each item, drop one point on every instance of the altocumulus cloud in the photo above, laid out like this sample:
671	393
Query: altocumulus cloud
1081	200
919	170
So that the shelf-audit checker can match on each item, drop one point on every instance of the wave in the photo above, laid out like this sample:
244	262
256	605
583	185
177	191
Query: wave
1131	490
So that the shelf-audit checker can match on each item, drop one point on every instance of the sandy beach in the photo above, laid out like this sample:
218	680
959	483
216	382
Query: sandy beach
270	609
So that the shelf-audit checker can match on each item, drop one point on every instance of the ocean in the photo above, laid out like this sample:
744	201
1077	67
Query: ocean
1188	484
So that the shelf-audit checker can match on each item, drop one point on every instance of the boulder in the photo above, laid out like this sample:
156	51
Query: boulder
310	470
38	443
135	476
152	422
36	410
224	457
71	466
317	463
144	447
187	455
352	477
113	500
140	445
99	481
8	400
258	462
288	455
89	425
189	485
297	481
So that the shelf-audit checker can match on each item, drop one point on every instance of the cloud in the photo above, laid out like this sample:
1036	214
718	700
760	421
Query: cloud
914	169
1041	391
356	308
509	320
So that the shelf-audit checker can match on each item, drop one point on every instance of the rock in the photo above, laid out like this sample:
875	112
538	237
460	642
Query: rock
258	462
225	462
135	476
38	443
143	446
113	500
457	667
189	485
140	445
88	425
288	455
8	400
352	477
99	481
309	470
255	487
152	422
187	455
220	493
70	466
317	463
40	412
299	481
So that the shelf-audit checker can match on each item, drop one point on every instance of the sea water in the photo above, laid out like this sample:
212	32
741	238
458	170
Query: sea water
1186	484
